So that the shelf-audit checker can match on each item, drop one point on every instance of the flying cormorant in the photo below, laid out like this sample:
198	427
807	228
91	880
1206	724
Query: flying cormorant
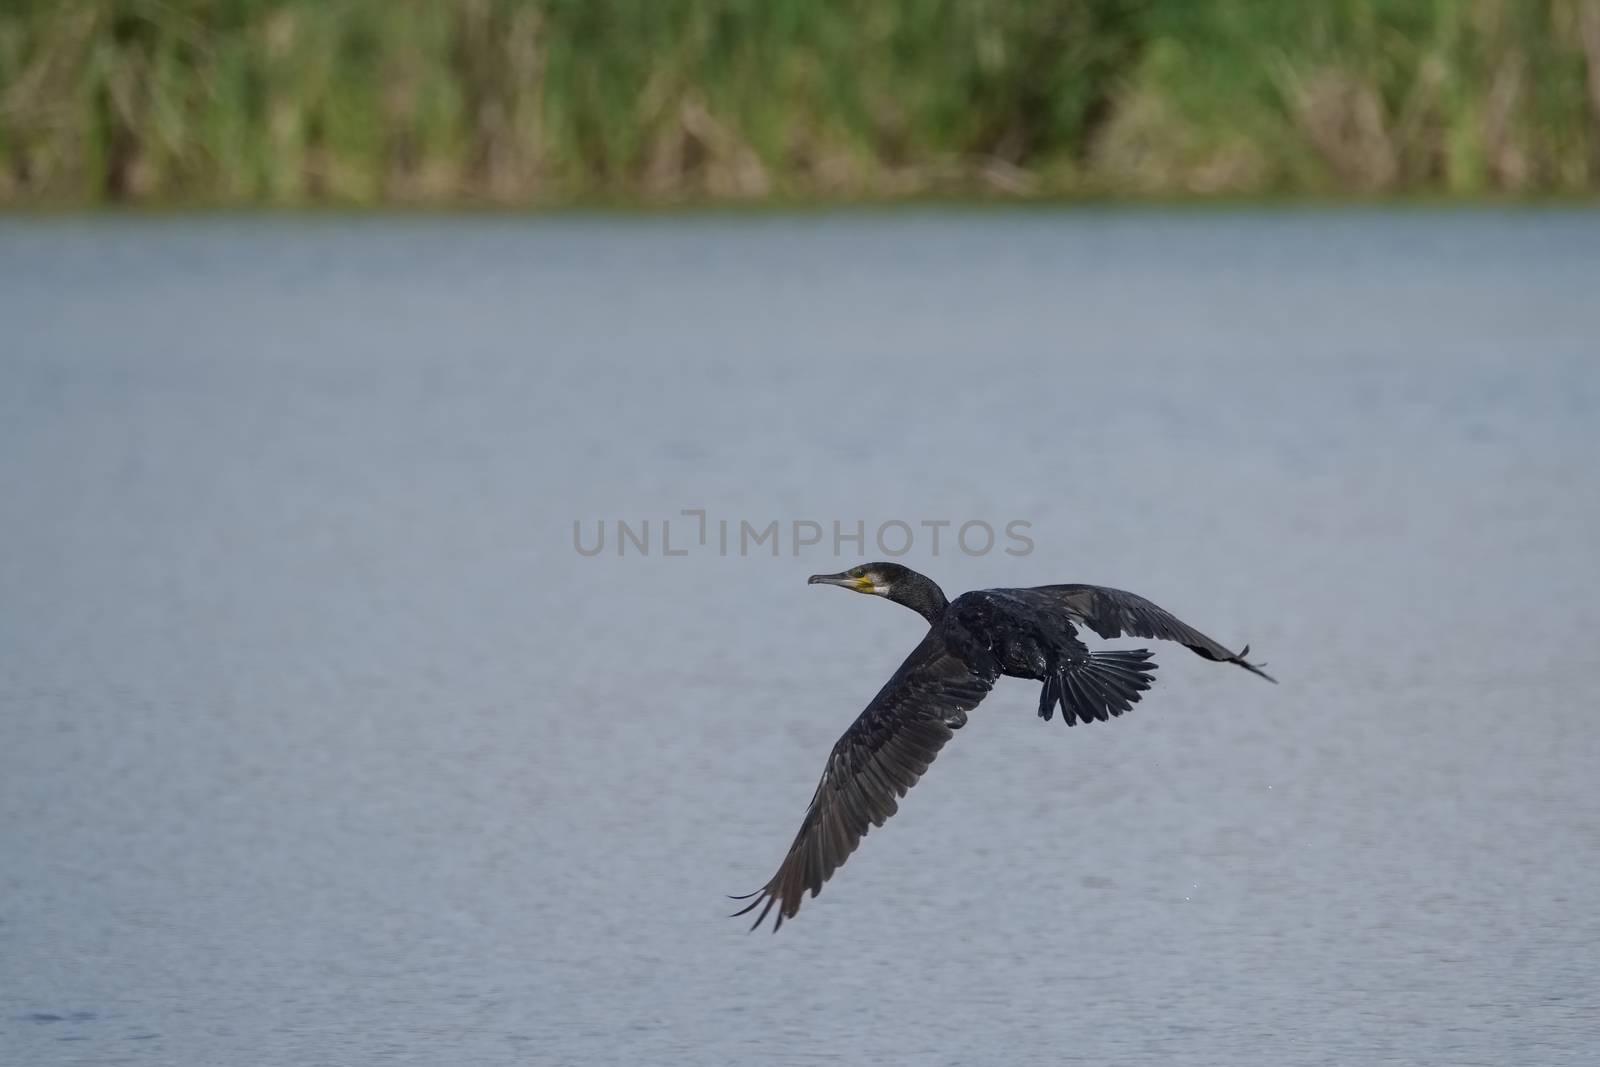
1023	633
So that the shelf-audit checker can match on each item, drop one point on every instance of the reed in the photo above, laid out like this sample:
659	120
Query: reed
283	102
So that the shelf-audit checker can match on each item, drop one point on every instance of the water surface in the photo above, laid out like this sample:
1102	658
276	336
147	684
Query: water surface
320	743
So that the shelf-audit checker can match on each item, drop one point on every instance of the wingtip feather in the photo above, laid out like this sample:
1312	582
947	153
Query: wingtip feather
1253	668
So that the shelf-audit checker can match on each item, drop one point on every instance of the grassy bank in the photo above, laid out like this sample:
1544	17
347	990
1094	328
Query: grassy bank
555	101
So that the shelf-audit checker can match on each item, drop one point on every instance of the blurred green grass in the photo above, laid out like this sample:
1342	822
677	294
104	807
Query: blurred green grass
357	102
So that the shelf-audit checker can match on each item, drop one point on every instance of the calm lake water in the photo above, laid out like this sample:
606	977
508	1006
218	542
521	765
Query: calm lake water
321	743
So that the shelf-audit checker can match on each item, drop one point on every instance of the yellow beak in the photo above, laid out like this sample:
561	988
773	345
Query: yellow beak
861	584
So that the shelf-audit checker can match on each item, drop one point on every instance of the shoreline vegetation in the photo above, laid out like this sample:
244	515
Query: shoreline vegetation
546	103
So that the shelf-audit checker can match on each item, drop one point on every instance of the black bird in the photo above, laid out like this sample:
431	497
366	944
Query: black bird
1024	633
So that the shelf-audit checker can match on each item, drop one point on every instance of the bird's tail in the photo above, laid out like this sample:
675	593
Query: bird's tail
1097	688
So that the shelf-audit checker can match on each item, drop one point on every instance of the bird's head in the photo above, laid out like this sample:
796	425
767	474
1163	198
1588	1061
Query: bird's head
892	582
875	578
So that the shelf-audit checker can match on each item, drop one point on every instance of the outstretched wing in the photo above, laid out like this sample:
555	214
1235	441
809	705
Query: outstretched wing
1113	613
880	757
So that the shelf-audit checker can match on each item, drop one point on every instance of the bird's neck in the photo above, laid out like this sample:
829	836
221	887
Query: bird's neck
921	594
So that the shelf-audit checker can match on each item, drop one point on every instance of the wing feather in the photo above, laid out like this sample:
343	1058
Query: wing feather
1115	613
878	759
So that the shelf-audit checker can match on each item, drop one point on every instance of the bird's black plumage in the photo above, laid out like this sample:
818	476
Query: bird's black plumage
971	641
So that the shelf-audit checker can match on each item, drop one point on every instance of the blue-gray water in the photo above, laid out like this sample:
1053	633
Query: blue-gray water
320	743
